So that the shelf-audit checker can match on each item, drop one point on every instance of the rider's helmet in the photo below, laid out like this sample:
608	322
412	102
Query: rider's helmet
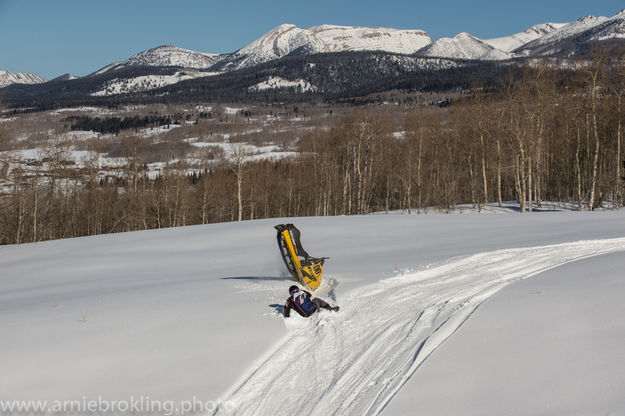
293	289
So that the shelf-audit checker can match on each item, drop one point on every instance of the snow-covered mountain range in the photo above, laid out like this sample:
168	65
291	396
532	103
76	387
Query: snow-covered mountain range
8	78
289	40
546	39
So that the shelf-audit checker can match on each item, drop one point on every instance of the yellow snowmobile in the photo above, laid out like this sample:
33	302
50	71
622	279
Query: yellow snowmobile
307	270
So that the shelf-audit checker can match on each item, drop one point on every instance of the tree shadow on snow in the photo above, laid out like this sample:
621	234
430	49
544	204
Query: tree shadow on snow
258	278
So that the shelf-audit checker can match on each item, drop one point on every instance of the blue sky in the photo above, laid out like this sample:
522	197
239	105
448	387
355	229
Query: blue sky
53	37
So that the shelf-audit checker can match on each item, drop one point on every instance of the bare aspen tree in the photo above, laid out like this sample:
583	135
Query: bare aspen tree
578	168
518	132
55	154
544	82
499	172
93	212
415	131
236	161
205	199
20	209
594	73
479	125
35	204
619	92
408	165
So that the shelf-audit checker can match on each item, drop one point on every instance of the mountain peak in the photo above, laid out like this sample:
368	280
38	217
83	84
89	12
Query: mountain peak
8	78
517	40
165	48
548	44
166	55
285	26
289	39
65	77
461	46
587	18
464	35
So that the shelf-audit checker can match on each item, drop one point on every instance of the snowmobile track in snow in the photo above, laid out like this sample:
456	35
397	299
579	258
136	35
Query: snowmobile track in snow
355	361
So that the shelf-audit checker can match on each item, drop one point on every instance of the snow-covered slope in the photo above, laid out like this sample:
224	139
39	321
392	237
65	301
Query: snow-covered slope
193	313
462	46
547	44
166	56
146	82
613	28
163	56
556	329
289	39
276	83
387	330
8	78
512	42
351	38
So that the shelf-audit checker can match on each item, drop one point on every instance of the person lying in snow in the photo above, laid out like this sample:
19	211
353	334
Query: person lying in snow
301	301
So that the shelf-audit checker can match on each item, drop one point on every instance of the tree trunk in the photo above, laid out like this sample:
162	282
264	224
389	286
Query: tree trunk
484	178
617	181
499	169
529	183
595	164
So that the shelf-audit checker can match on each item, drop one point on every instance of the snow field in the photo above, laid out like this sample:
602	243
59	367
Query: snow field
549	345
195	312
355	362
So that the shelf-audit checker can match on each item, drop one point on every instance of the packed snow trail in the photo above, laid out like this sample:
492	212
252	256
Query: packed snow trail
354	362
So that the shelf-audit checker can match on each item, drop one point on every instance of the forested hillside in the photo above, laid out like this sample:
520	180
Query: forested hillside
547	134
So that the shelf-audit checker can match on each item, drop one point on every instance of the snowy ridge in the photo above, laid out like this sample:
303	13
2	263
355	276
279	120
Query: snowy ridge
166	56
8	78
365	354
65	77
613	28
512	42
580	25
289	39
353	38
565	32
275	44
462	46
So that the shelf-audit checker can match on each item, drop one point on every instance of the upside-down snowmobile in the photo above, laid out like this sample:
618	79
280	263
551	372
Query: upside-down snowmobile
308	270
